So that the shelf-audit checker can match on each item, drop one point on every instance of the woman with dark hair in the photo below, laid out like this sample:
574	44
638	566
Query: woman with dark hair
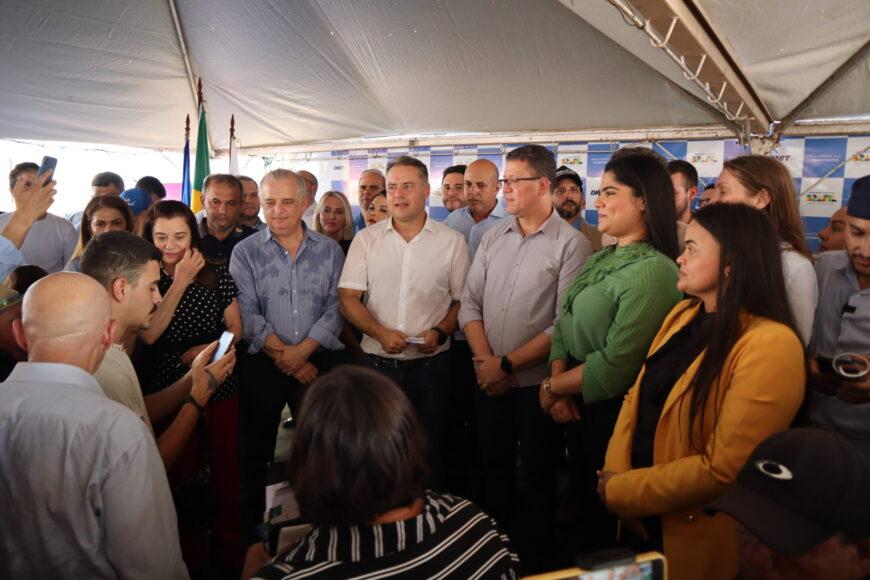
765	183
357	468
608	317
725	371
378	209
104	213
205	309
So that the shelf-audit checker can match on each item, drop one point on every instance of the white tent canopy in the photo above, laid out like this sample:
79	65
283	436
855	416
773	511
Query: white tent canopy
302	72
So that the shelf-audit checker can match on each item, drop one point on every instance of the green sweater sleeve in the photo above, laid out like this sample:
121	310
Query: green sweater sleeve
649	292
557	344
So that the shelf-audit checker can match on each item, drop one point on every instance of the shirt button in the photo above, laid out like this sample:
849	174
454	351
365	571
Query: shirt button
295	312
690	518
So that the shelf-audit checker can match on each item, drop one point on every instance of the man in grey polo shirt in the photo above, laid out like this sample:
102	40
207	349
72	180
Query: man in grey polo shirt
509	306
842	325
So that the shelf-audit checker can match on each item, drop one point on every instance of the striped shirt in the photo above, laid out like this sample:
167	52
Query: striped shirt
450	538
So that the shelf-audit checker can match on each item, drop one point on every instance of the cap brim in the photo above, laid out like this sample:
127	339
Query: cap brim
783	530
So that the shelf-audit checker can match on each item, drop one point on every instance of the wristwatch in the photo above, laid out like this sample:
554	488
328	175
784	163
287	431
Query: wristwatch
506	365
442	336
546	385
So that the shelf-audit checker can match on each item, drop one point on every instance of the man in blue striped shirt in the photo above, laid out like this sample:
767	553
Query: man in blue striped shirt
287	276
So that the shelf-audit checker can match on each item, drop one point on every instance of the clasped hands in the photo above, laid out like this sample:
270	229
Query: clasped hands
491	379
292	360
562	408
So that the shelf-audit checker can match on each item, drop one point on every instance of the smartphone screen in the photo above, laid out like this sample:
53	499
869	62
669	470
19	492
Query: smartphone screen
226	341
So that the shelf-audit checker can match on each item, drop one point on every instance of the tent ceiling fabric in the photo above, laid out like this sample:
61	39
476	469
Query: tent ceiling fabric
338	70
848	96
294	72
109	72
788	48
301	71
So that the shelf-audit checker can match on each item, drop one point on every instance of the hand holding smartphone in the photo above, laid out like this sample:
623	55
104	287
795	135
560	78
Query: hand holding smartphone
226	341
48	163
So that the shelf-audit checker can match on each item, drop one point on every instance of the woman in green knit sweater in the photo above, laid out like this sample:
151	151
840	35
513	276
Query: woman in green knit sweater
609	316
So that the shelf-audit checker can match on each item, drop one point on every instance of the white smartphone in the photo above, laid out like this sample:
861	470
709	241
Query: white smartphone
226	341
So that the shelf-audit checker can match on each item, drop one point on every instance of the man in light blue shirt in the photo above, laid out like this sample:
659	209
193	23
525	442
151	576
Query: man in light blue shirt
32	200
287	276
83	493
481	196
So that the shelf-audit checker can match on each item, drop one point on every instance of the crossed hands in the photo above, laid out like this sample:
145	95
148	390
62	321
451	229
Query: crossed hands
291	360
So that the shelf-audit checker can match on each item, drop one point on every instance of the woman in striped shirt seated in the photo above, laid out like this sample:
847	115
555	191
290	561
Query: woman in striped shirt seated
357	467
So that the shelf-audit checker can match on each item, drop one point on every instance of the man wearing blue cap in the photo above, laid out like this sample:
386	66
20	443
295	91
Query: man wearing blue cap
841	398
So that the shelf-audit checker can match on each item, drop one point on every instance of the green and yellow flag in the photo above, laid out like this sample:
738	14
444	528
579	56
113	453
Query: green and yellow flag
201	167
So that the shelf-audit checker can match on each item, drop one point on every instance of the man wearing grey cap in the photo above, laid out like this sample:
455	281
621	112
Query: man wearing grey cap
804	512
840	402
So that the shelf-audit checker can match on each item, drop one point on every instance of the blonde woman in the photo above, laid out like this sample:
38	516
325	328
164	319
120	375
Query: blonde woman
334	218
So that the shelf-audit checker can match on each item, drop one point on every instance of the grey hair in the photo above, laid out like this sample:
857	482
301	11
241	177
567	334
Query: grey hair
285	174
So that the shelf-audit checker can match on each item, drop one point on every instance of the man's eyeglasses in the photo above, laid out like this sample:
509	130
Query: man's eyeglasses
514	180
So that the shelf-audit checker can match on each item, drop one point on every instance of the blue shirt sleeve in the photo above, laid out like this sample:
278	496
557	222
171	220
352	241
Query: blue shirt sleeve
10	257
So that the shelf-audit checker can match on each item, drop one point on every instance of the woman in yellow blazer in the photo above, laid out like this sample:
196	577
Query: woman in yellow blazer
725	371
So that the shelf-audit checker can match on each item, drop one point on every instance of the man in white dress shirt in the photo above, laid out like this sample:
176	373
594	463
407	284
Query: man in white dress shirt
411	270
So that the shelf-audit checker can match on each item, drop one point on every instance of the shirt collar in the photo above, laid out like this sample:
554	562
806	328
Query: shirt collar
266	234
844	265
550	227
427	225
237	231
49	372
203	228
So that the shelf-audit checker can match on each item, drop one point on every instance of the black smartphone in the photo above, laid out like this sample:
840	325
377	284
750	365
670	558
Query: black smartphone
47	163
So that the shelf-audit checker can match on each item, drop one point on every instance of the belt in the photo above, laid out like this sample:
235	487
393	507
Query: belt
399	363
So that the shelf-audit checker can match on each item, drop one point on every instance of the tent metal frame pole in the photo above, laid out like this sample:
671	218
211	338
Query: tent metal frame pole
496	139
825	86
185	56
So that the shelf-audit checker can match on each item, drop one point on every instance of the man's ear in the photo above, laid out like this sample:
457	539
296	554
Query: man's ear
108	336
119	289
18	332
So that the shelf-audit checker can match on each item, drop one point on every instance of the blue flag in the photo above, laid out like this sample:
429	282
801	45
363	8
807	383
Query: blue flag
185	177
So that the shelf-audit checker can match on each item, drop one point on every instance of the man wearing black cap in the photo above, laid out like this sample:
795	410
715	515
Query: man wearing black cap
842	325
802	503
570	201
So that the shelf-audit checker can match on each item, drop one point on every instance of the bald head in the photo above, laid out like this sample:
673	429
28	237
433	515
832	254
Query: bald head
310	184
484	168
64	319
481	187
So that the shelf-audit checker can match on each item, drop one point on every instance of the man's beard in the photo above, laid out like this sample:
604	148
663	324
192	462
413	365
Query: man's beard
568	210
